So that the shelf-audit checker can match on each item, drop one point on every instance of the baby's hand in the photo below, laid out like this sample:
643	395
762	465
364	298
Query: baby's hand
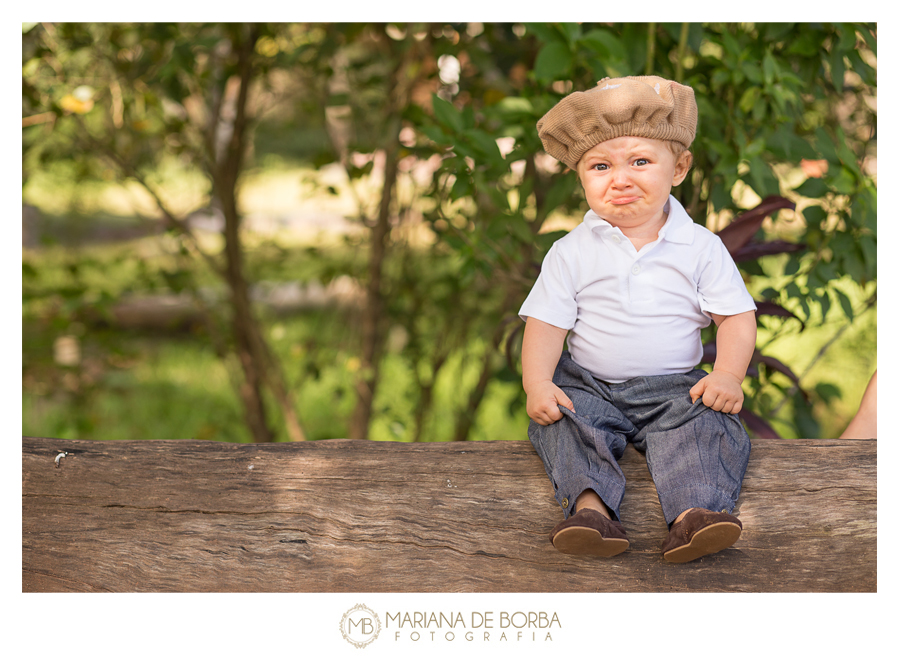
543	403
720	391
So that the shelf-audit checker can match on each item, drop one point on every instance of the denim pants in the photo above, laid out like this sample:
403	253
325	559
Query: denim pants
696	456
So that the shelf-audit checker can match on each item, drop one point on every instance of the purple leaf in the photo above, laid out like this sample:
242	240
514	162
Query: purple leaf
778	366
760	428
754	250
739	232
709	353
771	308
511	341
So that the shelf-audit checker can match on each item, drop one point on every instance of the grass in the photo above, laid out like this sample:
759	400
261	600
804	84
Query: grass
134	386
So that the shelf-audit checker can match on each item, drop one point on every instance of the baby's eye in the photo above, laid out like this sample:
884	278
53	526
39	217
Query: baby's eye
641	162
600	166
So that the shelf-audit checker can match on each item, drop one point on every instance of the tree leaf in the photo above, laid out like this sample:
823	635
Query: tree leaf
844	182
837	69
602	42
869	250
446	114
828	391
709	353
812	188
771	308
757	426
554	62
755	250
845	302
744	226
489	151
433	133
776	365
571	31
770	68
748	98
562	189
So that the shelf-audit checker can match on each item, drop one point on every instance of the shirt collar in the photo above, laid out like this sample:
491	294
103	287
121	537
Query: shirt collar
678	226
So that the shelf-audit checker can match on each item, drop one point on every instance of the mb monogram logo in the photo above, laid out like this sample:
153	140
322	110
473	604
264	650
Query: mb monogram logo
360	626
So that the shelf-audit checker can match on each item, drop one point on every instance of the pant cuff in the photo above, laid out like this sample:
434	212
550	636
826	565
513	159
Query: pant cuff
676	501
610	494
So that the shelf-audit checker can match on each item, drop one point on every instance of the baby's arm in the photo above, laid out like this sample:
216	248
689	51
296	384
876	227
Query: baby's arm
541	348
735	341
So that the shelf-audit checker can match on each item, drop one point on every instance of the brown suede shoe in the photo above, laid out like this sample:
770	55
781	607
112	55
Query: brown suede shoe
588	532
701	532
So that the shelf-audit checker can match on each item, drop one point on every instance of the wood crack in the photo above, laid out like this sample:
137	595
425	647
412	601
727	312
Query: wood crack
85	586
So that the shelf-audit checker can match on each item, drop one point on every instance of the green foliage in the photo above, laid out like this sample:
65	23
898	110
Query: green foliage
770	96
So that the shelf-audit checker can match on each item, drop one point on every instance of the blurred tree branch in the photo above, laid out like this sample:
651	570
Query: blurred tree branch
143	67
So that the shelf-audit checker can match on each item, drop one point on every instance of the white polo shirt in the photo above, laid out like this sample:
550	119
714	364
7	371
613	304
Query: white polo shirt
633	313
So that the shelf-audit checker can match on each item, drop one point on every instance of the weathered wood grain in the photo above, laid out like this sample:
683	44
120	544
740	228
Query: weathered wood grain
348	516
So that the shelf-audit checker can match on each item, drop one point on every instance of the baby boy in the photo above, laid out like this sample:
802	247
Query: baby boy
630	289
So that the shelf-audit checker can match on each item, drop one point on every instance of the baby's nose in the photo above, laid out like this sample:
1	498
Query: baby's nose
621	178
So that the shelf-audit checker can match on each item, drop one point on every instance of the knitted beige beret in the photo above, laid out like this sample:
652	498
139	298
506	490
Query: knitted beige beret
638	106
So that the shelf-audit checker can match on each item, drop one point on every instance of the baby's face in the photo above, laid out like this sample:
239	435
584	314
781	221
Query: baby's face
627	180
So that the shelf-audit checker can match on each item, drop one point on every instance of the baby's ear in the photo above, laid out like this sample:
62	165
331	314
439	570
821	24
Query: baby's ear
682	166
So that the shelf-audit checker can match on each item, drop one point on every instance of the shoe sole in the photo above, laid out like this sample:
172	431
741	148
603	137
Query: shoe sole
578	540
711	539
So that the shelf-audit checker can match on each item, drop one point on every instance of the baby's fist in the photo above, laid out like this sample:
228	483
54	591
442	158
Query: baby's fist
720	391
544	401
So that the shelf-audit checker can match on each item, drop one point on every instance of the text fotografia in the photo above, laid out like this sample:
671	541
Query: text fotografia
478	626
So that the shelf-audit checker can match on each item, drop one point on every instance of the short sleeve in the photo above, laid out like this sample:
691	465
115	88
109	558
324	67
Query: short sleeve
552	299
721	289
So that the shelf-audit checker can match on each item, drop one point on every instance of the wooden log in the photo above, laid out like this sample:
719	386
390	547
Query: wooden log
351	516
